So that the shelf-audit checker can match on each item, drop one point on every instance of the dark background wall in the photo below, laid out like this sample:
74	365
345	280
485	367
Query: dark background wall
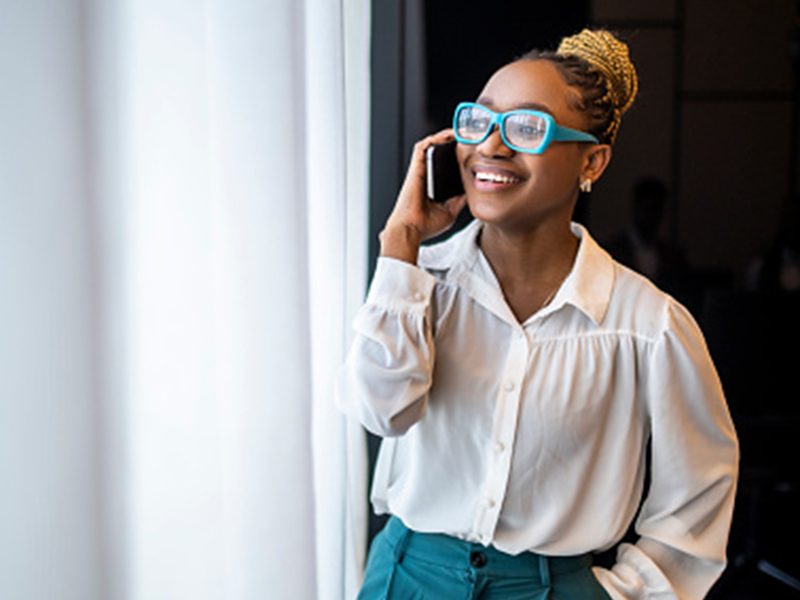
715	120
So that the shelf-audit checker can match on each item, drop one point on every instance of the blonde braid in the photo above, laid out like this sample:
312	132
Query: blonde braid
609	58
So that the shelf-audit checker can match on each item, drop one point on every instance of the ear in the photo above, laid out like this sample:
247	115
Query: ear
595	162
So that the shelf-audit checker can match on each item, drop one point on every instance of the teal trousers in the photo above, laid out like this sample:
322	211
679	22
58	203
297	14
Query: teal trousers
405	565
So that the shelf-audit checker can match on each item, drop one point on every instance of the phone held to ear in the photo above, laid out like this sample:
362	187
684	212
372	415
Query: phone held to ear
444	174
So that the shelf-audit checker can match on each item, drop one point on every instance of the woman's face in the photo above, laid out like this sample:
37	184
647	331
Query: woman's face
514	189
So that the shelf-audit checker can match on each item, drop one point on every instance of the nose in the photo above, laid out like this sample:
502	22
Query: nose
493	146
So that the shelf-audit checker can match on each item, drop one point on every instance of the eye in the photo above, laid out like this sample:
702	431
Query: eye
473	123
475	119
527	129
478	122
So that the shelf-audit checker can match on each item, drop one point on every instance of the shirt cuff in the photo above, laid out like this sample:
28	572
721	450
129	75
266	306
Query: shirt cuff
401	286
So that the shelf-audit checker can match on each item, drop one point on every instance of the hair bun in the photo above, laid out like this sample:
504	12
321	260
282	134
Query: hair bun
610	57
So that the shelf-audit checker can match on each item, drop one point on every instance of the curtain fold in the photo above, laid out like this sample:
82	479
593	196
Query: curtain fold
337	138
212	249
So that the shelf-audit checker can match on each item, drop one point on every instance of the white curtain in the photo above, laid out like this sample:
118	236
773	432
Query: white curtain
182	244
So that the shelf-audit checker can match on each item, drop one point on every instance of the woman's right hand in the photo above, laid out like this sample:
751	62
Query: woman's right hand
415	217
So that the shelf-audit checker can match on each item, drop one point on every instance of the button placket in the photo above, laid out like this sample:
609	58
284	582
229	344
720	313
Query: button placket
503	432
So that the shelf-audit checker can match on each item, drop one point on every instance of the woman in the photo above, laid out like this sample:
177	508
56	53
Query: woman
518	374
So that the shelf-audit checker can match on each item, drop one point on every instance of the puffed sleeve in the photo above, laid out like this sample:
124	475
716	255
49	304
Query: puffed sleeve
685	519
385	379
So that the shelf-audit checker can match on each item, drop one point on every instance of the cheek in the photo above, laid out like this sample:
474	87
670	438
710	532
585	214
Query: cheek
462	154
550	174
559	167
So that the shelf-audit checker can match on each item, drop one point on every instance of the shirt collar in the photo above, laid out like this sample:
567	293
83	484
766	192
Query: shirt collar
456	254
591	281
588	286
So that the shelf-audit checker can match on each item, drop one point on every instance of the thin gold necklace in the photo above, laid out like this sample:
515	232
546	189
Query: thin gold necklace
552	295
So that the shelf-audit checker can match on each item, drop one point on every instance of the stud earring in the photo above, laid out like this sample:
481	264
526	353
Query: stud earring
586	185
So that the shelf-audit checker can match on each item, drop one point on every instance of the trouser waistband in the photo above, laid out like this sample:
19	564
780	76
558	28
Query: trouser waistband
452	552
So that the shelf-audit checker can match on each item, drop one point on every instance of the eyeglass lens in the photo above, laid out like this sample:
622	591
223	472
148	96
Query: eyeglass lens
524	130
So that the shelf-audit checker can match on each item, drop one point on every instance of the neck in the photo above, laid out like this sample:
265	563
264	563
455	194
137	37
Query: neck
530	266
531	255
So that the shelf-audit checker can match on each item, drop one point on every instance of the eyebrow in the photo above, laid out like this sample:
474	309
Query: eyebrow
487	102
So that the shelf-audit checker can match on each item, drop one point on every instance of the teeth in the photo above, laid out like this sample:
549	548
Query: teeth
496	177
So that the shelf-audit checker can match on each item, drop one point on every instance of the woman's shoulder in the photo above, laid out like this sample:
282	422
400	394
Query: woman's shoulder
640	306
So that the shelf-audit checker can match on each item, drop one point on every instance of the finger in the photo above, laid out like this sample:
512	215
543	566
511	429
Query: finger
445	135
440	137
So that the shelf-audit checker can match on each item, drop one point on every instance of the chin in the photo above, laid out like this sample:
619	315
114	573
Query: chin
494	205
515	213
496	211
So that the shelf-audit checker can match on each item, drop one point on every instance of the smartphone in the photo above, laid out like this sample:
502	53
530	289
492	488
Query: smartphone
444	173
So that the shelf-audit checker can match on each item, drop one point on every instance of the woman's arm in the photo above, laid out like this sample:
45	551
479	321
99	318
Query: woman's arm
387	374
415	218
685	520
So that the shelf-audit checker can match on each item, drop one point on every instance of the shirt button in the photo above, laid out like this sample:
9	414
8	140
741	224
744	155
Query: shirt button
477	559
490	503
499	446
509	386
418	296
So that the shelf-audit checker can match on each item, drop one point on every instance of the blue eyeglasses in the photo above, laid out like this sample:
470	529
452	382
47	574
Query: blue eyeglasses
522	130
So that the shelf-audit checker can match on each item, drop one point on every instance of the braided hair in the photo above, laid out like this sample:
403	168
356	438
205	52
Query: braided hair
597	63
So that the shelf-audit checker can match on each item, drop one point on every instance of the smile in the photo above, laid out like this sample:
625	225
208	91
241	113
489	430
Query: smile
494	179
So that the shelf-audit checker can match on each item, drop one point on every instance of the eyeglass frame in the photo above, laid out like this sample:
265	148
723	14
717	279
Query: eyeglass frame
553	132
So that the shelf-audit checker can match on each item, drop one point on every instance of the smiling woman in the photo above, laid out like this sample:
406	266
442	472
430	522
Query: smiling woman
518	373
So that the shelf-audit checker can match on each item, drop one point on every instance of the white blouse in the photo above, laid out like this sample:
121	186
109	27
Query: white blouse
533	436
